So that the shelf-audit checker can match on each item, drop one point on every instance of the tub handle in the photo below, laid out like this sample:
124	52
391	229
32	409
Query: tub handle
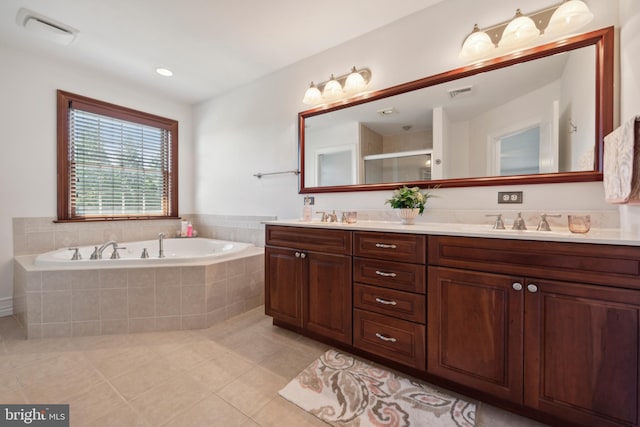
145	253
94	254
115	254
76	255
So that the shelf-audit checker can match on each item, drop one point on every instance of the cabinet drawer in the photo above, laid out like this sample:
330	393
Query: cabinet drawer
390	274
576	262
394	339
391	246
403	305
312	239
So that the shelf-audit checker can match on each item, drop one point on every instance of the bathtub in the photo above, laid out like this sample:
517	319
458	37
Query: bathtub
176	251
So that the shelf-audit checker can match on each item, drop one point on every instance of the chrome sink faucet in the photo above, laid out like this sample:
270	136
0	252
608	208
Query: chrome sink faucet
105	246
543	225
519	224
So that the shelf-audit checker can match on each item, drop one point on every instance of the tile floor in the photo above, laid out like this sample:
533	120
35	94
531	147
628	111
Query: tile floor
226	375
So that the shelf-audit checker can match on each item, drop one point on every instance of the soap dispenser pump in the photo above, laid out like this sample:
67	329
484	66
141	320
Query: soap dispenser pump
306	211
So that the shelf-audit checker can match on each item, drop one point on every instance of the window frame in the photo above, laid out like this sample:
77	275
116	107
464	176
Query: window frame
64	102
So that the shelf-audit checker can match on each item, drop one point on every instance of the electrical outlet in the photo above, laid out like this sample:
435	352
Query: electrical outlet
510	197
312	200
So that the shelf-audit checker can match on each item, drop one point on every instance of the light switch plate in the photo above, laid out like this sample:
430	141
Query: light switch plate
510	197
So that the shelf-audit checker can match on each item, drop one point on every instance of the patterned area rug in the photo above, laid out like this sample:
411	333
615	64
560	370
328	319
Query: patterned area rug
345	391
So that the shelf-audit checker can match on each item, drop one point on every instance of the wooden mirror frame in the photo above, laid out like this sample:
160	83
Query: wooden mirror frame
603	40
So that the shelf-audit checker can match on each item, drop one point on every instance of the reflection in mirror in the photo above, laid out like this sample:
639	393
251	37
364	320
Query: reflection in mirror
532	118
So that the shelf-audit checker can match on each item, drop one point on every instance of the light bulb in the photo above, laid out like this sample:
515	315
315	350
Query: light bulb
476	45
312	96
519	32
332	90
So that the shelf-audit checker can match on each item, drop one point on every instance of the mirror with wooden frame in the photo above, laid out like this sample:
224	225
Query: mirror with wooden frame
535	116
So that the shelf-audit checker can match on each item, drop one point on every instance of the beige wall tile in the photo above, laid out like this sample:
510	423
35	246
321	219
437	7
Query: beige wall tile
113	304
168	301
40	242
55	330
142	325
34	331
85	279
168	276
85	305
56	306
34	281
141	302
83	329
66	239
34	307
110	327
141	277
217	316
216	272
193	275
169	323
194	322
56	280
193	300
216	295
112	278
235	267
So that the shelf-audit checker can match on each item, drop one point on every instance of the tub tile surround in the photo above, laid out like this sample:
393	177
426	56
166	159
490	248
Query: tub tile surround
87	302
112	301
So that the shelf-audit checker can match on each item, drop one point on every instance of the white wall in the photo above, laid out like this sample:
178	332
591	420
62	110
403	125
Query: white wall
253	128
28	147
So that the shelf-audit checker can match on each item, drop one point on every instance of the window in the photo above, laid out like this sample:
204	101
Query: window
114	162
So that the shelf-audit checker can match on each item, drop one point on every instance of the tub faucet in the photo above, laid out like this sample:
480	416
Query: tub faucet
105	246
161	237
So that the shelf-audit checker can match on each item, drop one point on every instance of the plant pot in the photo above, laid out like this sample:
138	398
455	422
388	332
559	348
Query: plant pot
406	215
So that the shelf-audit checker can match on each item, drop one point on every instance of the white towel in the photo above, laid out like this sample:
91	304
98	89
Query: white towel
622	164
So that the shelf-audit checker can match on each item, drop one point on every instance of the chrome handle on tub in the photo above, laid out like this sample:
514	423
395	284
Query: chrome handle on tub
385	302
383	338
532	288
115	254
385	246
517	286
76	255
383	274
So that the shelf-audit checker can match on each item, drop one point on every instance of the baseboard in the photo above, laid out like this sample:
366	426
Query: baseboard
6	306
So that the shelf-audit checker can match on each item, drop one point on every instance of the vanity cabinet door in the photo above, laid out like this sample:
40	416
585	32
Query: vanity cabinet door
283	285
581	352
475	323
328	297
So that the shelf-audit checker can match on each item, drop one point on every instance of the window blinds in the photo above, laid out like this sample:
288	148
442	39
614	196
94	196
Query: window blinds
117	167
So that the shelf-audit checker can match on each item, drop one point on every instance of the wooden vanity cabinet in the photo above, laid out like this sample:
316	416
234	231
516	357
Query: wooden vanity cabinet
561	337
308	280
389	275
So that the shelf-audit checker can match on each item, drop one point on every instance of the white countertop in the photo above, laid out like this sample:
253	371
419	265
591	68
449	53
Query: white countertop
597	236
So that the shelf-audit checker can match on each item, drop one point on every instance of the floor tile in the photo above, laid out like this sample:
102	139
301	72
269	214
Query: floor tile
211	411
253	390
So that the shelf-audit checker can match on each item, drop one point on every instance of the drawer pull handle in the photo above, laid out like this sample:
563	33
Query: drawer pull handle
385	246
383	274
383	338
386	302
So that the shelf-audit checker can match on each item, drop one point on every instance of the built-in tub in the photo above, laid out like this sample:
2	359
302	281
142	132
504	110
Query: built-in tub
176	251
199	282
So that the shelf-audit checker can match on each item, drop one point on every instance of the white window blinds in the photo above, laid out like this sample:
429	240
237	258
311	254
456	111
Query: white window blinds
117	168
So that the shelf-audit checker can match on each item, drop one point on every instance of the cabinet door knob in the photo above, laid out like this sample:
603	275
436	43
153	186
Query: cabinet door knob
385	302
532	288
297	254
517	286
383	338
385	246
383	274
303	255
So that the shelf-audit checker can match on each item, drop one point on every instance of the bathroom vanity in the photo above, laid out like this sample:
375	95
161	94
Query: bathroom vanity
544	325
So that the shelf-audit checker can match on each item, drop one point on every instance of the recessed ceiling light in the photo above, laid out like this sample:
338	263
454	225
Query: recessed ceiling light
164	72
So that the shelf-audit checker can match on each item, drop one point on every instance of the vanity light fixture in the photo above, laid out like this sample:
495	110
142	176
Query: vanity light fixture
522	30
337	88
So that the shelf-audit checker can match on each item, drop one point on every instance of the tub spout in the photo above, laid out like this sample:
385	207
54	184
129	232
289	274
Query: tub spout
161	237
105	246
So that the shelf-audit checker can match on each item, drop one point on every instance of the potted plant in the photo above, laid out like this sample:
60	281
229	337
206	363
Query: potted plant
408	202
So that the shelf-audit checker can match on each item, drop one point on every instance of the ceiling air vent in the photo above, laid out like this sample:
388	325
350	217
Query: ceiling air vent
460	91
47	28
